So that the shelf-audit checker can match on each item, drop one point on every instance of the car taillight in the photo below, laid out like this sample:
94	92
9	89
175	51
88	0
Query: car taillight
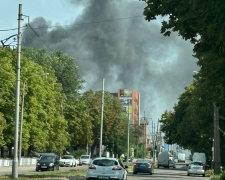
116	168
135	164
92	167
150	165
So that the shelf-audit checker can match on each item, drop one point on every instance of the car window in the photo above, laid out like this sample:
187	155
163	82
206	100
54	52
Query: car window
197	163
85	157
67	157
47	158
105	162
143	161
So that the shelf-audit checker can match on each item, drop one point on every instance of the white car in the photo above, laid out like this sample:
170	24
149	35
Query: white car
107	168
68	161
85	159
196	167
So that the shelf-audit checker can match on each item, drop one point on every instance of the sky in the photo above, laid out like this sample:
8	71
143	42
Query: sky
109	39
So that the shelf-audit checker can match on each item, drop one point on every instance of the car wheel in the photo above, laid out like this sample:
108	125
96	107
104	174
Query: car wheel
203	175
188	174
72	165
134	172
150	173
37	170
53	168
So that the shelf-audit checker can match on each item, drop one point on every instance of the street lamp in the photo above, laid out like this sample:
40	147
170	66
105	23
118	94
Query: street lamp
21	116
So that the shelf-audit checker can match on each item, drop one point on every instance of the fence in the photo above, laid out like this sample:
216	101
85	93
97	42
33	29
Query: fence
24	161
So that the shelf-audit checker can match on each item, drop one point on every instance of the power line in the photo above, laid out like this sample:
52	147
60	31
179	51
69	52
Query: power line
87	23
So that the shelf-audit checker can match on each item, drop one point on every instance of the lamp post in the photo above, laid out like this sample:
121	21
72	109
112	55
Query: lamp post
128	133
21	116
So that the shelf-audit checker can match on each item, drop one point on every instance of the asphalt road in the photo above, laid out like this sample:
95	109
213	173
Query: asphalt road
180	172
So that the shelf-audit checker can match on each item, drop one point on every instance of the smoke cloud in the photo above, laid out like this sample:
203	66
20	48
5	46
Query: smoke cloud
129	53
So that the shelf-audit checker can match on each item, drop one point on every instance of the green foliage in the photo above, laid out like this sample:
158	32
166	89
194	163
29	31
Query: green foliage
209	172
222	175
79	152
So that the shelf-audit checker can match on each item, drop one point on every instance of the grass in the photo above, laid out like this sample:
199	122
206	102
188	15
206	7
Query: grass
78	174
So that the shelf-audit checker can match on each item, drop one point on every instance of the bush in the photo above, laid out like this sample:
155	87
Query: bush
222	175
78	153
209	172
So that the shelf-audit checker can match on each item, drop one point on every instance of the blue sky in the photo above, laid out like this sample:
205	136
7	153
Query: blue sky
128	52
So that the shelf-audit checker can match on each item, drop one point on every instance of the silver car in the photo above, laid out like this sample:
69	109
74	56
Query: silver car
106	168
196	167
85	159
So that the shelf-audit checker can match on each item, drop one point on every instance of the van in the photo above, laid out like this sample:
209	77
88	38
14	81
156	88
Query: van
181	157
165	159
199	157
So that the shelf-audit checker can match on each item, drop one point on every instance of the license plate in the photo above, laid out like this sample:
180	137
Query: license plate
43	166
103	177
196	168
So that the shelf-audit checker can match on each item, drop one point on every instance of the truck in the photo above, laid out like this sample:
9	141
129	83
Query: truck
181	157
165	159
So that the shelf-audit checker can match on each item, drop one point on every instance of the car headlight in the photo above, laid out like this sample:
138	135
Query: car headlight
51	164
38	164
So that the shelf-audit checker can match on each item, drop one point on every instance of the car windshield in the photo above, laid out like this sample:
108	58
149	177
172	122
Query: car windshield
45	157
143	161
84	157
105	162
67	157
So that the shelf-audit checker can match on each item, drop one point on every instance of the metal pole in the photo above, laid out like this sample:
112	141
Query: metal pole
21	125
143	137
128	132
15	158
101	126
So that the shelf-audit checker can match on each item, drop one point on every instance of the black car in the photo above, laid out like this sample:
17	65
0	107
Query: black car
48	161
143	166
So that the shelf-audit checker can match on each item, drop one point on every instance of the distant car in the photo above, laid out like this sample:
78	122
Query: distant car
47	161
130	159
172	164
143	166
197	168
68	161
107	168
85	159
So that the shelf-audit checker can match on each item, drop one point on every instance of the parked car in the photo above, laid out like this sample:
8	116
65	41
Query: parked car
196	167
68	160
106	168
85	159
47	161
144	166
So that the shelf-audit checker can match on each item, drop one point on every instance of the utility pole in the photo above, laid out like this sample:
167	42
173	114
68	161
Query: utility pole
15	158
153	152
101	126
217	160
128	132
143	137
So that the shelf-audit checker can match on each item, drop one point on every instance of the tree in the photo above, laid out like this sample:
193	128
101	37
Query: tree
201	22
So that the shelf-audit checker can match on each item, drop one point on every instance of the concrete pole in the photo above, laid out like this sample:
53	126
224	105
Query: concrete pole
101	126
21	124
128	132
15	158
